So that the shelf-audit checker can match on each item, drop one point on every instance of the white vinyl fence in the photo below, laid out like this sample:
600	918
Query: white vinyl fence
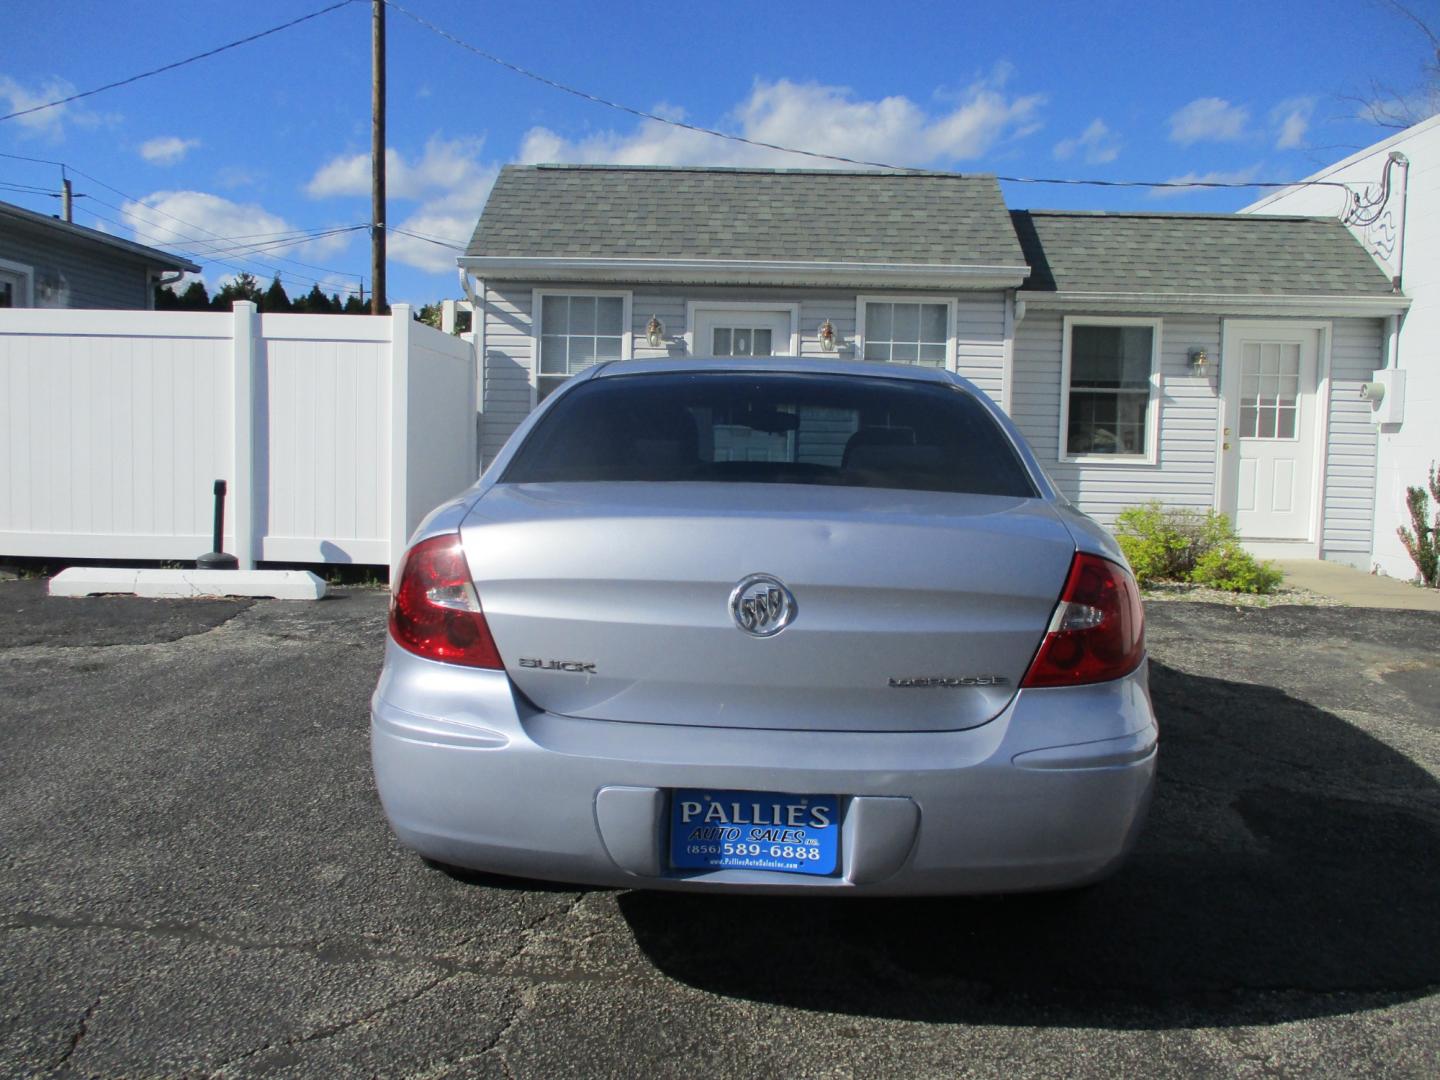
335	433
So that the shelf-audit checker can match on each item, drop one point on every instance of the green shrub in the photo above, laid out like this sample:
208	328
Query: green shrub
1230	567
1181	544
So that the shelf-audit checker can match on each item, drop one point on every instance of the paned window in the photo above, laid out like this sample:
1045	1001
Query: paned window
1110	389
741	341
907	333
1269	390
576	332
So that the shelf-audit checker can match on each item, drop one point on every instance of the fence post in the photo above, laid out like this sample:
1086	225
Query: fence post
245	343
399	433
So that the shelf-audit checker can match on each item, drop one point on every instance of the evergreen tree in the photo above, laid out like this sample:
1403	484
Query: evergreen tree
195	298
243	287
314	301
275	299
165	298
335	306
355	306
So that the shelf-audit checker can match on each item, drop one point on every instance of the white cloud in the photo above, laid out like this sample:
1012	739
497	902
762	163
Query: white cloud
1292	120
444	165
167	149
201	223
812	116
448	181
1097	145
1208	120
47	123
1233	176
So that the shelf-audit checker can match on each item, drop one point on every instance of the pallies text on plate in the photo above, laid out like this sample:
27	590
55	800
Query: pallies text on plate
791	815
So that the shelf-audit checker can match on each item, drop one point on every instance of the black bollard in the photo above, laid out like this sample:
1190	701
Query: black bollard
216	559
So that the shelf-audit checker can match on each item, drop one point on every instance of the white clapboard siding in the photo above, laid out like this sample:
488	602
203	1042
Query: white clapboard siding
1185	473
335	434
509	393
1355	352
980	340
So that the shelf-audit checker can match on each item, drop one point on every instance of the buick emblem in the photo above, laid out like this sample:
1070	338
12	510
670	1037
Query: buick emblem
762	606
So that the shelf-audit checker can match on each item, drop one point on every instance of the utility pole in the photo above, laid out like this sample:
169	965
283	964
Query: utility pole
67	200
377	158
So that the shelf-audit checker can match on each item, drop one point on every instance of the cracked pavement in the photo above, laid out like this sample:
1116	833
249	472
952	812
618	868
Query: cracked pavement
196	880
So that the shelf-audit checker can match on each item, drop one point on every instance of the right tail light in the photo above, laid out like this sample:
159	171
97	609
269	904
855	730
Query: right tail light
1098	630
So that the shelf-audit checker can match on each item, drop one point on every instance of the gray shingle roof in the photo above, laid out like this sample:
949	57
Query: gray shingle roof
762	215
1240	254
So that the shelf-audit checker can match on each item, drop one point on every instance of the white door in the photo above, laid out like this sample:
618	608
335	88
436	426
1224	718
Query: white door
741	332
1270	379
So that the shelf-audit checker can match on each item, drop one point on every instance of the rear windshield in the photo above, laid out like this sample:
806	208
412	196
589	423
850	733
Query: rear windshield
730	427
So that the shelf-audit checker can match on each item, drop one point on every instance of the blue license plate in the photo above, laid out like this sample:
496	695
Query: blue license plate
754	830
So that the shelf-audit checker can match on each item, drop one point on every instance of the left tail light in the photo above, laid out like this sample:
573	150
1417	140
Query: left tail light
435	611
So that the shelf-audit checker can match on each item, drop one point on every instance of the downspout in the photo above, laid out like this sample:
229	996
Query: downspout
477	339
1007	355
158	281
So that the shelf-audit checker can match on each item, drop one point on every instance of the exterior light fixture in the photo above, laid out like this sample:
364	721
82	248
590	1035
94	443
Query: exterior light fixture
1199	361
827	336
655	332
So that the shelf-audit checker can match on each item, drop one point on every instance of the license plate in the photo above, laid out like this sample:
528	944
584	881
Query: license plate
754	830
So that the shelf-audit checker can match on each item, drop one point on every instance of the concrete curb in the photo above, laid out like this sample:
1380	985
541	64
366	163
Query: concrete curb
104	580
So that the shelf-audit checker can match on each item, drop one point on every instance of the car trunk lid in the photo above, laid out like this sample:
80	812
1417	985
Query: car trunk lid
914	610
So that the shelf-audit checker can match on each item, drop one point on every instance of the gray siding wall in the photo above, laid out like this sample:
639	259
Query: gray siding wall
1189	413
508	363
1185	474
506	391
68	275
1355	352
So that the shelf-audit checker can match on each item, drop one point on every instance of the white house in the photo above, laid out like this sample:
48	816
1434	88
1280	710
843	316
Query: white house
1398	221
1204	360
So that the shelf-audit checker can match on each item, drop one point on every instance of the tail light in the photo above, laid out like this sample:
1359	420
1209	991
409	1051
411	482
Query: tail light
1098	630
435	612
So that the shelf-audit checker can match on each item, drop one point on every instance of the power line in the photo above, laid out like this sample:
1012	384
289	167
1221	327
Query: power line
348	289
200	256
427	239
191	225
176	64
596	99
266	265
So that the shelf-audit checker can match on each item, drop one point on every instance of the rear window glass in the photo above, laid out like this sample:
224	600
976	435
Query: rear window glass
781	429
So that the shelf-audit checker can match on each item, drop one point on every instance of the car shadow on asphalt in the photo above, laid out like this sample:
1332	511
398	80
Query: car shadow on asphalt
1289	860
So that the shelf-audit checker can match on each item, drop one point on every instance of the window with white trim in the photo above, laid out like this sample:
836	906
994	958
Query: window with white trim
15	285
577	331
907	332
1110	389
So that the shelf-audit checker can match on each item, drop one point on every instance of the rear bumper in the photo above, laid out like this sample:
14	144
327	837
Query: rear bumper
1049	794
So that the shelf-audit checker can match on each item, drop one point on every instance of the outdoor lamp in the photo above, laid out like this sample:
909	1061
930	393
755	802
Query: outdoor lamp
1199	360
655	332
827	336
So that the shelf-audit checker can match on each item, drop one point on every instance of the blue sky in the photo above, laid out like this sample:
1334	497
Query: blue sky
270	141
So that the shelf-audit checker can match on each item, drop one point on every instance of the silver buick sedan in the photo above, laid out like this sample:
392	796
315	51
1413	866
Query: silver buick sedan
767	626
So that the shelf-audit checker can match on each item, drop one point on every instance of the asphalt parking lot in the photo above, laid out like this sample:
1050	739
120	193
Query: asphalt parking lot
195	879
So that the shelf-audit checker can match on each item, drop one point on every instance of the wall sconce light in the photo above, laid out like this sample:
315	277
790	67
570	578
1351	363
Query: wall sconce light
827	336
655	332
1199	361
